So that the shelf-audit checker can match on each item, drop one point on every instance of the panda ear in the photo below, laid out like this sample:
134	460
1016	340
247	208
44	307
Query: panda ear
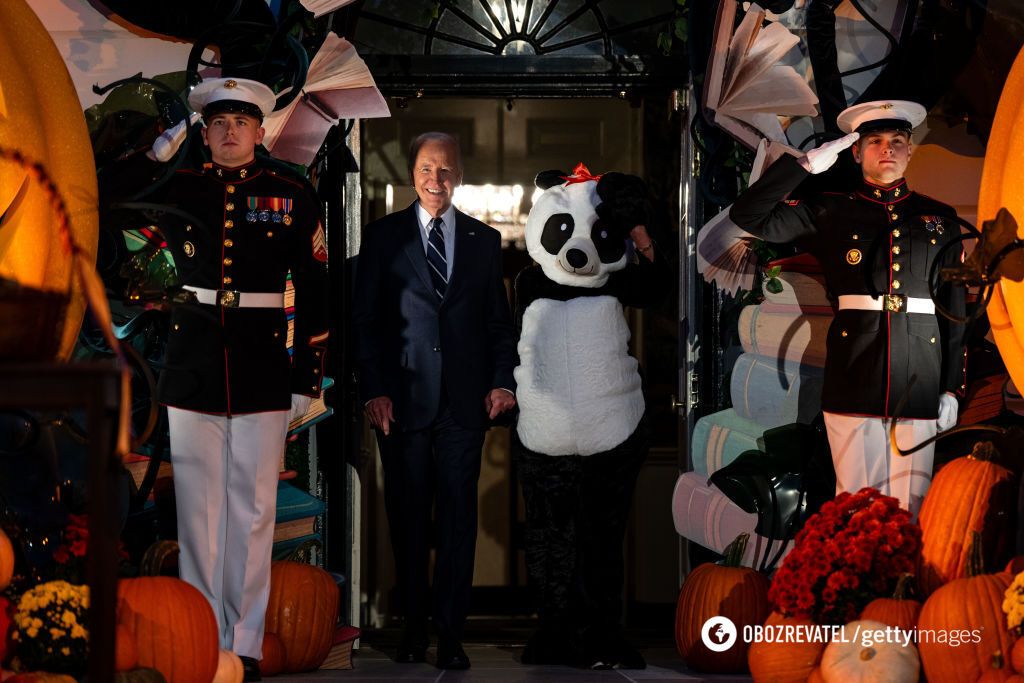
546	179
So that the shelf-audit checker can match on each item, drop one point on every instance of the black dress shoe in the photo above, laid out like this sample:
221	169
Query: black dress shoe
450	655
251	669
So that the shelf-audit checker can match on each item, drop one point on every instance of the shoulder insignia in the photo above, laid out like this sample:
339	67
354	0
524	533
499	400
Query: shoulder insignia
791	202
320	244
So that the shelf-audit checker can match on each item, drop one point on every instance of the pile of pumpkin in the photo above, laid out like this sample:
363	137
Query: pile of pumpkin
166	630
965	517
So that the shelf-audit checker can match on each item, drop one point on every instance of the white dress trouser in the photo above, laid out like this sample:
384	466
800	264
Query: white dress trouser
225	487
863	456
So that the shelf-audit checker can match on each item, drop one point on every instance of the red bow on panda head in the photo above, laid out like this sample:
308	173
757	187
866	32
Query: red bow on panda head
580	174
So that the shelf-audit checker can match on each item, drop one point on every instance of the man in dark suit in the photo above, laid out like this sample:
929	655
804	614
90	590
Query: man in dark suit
435	349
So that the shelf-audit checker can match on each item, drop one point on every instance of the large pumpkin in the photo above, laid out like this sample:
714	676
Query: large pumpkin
969	494
738	593
41	118
6	560
974	604
780	661
272	661
1000	188
857	660
303	611
899	610
175	630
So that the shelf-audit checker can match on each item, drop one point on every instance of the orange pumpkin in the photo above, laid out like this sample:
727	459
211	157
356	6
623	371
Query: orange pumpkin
6	560
302	611
973	603
229	668
175	630
40	677
997	672
969	494
272	661
782	662
1017	655
126	655
729	590
816	676
898	611
6	622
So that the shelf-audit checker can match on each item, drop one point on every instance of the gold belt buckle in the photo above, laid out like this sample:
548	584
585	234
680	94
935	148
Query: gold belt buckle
228	298
894	303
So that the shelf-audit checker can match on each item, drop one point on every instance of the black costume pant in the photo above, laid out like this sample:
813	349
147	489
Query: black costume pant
576	513
433	470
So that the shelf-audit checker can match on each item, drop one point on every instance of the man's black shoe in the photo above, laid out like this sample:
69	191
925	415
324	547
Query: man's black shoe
251	669
450	655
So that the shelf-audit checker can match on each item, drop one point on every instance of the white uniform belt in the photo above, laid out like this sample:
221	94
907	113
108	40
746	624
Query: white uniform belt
893	303
229	298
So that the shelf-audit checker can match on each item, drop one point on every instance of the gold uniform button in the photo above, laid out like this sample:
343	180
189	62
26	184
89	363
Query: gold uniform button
316	353
896	249
270	233
231	189
188	228
896	267
895	284
932	240
844	333
177	326
228	261
227	280
890	207
932	340
229	243
895	216
896	232
855	236
229	223
316	371
229	206
276	334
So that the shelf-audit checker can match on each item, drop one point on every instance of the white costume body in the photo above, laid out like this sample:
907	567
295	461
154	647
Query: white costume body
576	375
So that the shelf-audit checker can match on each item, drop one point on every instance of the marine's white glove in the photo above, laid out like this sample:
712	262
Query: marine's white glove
820	159
947	411
168	142
300	405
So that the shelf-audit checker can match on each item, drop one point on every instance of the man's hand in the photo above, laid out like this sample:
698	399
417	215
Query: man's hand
381	413
820	159
498	401
947	411
300	405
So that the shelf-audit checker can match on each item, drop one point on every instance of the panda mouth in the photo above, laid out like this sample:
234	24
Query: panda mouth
589	269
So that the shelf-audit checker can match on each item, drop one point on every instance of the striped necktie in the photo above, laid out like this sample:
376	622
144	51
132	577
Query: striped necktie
436	258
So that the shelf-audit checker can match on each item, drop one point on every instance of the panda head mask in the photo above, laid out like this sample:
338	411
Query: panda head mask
578	227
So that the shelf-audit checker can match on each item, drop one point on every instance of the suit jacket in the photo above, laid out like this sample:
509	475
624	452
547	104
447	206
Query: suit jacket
874	240
409	344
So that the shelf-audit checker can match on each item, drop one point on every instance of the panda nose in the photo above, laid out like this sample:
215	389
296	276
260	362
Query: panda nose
577	258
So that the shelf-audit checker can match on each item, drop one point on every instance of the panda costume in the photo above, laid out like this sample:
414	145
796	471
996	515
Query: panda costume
582	433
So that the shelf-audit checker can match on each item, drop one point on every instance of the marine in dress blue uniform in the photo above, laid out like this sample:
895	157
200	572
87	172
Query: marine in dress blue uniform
230	384
876	245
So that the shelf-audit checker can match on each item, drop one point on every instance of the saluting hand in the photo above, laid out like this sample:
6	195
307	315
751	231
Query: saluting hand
498	401
820	159
381	413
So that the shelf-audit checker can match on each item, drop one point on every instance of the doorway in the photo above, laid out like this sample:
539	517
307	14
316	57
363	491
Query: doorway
505	143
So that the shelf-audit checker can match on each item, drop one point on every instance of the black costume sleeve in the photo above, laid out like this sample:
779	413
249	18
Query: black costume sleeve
645	282
761	211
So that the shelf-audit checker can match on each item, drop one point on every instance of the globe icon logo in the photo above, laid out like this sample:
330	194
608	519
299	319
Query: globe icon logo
718	634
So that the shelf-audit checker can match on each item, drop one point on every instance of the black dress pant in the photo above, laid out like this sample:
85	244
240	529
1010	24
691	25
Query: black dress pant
433	470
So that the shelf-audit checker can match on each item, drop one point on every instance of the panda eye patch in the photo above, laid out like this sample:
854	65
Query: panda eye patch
610	248
557	230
